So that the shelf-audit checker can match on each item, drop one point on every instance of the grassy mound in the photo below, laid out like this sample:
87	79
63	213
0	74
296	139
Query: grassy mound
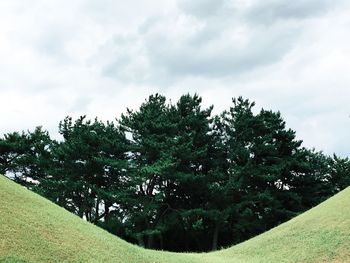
32	229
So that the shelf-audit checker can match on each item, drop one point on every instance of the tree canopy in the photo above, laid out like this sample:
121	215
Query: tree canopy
174	176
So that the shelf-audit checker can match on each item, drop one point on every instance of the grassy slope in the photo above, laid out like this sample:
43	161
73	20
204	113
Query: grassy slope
32	229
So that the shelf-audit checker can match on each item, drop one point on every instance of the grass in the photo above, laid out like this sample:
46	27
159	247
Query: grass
32	229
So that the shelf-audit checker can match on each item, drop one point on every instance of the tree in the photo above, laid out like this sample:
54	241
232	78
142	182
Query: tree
171	156
151	133
192	152
26	156
89	167
172	176
339	173
264	159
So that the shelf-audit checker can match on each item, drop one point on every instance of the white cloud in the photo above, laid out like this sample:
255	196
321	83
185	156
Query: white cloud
98	57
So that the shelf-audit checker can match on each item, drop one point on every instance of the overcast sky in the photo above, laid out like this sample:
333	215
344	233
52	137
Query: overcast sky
97	57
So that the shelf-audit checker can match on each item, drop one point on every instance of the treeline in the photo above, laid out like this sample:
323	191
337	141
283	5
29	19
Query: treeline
175	177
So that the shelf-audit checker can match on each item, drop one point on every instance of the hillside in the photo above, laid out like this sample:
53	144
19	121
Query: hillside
32	229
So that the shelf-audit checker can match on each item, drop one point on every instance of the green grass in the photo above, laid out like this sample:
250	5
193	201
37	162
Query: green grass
32	229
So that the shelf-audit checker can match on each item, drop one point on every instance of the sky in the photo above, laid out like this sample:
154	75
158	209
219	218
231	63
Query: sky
98	57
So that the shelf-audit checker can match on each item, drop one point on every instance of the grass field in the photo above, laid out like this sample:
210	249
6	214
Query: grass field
32	229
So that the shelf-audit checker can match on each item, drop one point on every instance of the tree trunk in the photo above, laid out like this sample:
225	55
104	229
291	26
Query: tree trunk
140	241
187	243
80	212
87	216
150	241
107	205
161	245
215	236
97	208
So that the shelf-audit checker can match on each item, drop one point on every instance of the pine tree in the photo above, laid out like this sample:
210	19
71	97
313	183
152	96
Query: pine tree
89	166
264	159
192	151
26	156
151	133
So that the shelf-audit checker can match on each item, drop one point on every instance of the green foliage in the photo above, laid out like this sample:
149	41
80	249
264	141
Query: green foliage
89	167
150	164
339	173
26	156
174	177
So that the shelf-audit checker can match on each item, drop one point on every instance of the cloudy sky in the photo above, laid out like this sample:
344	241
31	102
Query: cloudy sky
97	57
